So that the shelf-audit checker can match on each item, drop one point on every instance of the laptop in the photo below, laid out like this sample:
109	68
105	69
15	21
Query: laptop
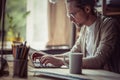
36	63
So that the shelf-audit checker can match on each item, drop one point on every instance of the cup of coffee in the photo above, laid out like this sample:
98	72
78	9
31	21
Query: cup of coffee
75	63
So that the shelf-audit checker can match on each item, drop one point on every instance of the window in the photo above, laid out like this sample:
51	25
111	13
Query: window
47	24
37	25
111	7
15	19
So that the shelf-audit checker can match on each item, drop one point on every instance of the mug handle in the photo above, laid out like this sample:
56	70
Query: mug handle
64	59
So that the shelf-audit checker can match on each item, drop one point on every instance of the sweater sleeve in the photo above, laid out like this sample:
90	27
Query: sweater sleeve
78	47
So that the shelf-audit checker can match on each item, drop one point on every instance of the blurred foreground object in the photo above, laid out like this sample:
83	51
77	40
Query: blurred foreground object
3	63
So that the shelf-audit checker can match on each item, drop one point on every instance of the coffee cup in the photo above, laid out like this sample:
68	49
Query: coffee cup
75	63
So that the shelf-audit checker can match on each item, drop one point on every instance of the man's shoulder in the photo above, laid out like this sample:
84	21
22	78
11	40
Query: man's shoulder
106	22
106	19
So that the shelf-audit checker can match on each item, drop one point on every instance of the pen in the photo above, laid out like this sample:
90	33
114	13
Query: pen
22	50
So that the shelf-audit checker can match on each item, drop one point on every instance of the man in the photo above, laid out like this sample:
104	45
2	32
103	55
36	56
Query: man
99	38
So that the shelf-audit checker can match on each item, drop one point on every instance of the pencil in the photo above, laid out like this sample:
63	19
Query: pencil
22	50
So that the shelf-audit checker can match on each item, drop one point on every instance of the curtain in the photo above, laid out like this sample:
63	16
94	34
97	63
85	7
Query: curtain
47	24
59	26
37	25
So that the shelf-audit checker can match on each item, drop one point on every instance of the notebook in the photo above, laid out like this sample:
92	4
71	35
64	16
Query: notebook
36	63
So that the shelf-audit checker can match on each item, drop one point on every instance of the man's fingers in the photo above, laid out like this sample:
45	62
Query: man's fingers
46	62
36	55
44	59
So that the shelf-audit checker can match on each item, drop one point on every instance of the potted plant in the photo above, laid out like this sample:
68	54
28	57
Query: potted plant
14	24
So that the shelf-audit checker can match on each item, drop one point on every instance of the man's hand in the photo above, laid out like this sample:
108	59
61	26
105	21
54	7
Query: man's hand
37	55
46	59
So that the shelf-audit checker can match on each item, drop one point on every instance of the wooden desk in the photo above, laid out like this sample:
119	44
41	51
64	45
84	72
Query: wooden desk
30	75
87	74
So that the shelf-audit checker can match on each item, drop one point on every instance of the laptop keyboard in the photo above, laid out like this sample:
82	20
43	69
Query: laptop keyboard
38	64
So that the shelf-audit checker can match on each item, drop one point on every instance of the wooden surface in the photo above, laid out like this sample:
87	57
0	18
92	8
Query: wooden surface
30	75
45	73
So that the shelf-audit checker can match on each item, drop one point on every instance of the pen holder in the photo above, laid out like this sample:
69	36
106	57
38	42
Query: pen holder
20	68
20	51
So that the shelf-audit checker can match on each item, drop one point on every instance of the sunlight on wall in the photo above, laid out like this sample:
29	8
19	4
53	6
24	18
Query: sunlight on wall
37	24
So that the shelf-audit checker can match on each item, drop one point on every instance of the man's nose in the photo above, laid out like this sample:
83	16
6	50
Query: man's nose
72	19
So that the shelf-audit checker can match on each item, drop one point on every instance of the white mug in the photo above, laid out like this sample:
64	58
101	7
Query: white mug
75	63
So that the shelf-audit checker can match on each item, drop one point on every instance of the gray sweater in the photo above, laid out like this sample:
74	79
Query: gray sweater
106	50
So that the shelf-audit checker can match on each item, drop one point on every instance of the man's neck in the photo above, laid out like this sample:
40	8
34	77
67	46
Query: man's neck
91	20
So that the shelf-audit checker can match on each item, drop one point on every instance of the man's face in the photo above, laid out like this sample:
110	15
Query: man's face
76	15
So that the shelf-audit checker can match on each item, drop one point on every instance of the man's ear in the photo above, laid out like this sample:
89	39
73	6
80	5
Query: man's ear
87	9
